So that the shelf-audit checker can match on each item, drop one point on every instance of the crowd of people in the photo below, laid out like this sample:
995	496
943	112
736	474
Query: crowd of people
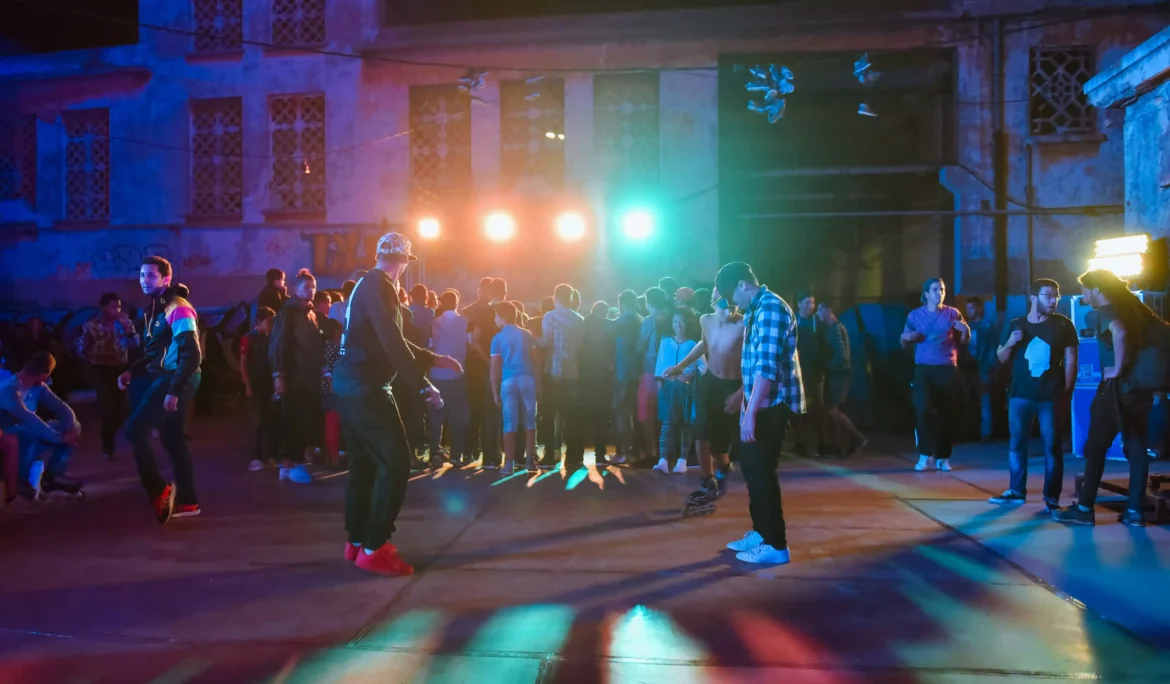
384	379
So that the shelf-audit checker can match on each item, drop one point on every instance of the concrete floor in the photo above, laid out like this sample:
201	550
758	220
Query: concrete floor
896	576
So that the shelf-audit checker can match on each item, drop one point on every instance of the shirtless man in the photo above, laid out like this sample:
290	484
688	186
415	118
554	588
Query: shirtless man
718	396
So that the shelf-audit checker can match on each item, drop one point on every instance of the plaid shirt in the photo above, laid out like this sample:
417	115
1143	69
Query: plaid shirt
769	350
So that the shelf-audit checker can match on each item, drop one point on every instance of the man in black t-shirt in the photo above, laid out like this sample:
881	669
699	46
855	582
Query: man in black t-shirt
1042	351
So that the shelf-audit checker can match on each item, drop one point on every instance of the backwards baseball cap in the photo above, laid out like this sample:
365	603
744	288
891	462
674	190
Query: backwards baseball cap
395	243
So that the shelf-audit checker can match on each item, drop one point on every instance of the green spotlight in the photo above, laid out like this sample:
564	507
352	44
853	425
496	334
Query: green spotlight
638	224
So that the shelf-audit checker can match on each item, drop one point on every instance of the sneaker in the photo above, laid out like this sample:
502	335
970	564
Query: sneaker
1051	507
384	561
680	468
1075	515
924	462
164	504
256	465
1132	518
1008	497
765	554
60	483
352	551
186	511
943	464
299	474
749	541
663	467
508	469
36	473
724	472
707	492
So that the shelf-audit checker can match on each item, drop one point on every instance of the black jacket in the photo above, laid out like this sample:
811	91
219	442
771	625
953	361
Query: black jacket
296	351
373	350
170	340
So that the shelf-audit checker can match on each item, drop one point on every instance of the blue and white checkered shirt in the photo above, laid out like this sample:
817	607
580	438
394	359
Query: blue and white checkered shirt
769	351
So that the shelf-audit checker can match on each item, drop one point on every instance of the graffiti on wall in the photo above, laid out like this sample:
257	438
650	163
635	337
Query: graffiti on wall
123	261
342	252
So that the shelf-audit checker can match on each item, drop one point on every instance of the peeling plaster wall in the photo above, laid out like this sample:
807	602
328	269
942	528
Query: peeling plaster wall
1147	163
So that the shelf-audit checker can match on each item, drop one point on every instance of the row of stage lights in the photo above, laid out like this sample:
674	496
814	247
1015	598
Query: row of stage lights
499	226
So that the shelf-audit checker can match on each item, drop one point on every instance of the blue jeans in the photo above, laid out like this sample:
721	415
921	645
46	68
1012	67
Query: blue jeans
147	393
1021	414
33	447
985	423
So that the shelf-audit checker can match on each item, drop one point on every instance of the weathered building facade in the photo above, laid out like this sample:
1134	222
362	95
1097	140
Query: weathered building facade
1139	84
239	135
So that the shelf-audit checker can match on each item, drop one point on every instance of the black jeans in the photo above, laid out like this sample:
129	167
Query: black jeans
147	394
596	402
758	461
562	396
302	422
1109	414
379	465
111	401
266	424
936	402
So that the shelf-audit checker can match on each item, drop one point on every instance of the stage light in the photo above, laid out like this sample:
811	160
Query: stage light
570	226
428	228
1123	256
499	226
638	224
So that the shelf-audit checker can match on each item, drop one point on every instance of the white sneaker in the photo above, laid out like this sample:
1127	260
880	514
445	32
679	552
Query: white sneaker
924	462
256	465
749	541
680	468
765	554
943	464
662	467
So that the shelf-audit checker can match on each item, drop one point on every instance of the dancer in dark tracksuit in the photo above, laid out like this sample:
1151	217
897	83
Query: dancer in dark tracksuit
374	353
162	386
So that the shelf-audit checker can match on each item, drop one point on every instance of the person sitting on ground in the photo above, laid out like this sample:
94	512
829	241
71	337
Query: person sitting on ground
21	397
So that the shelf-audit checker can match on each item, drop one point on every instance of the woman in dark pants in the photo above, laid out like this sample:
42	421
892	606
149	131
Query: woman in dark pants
935	331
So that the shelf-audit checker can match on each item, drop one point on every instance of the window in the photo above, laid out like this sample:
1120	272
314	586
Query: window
87	164
532	128
625	120
440	146
1057	100
217	144
297	124
18	159
298	22
219	25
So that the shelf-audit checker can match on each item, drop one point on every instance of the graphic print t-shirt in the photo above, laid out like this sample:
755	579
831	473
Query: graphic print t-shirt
1038	359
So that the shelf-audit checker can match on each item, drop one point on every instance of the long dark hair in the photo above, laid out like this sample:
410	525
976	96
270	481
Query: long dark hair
1133	314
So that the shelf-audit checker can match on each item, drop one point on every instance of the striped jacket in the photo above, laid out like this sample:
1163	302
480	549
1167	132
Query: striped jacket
170	344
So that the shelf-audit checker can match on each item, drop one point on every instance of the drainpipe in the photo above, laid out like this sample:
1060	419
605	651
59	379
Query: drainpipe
1030	198
1000	170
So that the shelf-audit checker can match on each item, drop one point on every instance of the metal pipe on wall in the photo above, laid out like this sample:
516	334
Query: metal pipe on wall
1000	167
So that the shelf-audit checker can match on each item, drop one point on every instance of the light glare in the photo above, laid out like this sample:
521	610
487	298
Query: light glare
428	228
638	224
570	226
499	226
1127	245
1121	265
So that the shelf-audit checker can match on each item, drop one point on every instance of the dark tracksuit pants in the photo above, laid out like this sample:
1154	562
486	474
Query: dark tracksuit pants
379	465
147	394
1109	414
302	421
936	404
758	461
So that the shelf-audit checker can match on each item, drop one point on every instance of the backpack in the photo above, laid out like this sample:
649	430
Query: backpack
1150	370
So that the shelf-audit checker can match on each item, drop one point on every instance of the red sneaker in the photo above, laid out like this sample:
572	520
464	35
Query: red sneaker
164	504
384	561
351	551
189	511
